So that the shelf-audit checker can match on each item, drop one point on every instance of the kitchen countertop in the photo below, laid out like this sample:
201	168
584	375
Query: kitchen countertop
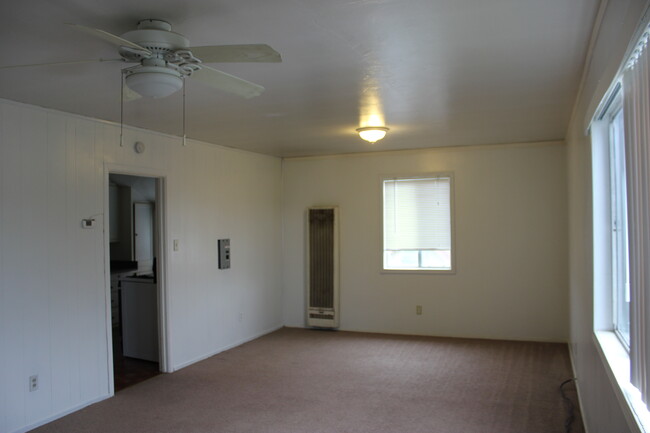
119	267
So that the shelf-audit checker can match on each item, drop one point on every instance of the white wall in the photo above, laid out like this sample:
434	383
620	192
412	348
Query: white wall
53	311
602	412
511	243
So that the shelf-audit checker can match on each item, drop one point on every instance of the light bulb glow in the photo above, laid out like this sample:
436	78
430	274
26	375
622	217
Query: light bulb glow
372	134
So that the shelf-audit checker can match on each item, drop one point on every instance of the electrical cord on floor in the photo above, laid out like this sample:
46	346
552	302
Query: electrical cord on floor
571	416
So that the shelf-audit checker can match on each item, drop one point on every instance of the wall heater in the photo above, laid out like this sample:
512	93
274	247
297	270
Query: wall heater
323	267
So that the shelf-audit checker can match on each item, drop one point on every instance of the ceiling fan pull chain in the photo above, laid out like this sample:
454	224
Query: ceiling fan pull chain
184	138
122	111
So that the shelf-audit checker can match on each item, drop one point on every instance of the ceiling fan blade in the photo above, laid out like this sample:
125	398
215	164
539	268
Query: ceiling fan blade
236	53
226	82
109	37
72	62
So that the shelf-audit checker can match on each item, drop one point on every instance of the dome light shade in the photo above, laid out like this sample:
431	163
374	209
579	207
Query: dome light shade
372	133
154	81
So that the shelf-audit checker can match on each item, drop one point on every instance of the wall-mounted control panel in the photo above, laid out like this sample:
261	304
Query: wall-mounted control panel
224	253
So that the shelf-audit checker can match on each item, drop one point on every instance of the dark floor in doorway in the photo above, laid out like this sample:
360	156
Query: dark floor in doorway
129	371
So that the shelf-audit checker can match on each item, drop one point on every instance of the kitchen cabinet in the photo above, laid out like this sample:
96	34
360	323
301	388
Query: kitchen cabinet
140	318
115	301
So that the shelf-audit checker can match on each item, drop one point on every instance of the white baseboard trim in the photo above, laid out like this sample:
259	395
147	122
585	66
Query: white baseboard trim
60	414
224	348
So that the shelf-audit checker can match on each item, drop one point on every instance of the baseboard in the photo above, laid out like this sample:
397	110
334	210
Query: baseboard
60	414
416	334
224	348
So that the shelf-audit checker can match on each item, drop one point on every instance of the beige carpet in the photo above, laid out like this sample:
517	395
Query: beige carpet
305	381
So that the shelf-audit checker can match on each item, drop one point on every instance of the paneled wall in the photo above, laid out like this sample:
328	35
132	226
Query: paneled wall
53	298
511	243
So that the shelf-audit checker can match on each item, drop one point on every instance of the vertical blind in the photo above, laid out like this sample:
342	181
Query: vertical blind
636	100
417	214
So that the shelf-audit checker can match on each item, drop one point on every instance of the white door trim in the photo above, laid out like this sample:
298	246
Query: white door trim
162	255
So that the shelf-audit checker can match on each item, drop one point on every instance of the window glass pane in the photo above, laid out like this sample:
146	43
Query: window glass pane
400	259
620	268
436	259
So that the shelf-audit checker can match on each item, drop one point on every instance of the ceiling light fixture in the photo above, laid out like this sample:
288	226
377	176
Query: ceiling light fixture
154	81
372	133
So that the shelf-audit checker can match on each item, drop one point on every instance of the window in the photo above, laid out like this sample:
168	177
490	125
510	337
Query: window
618	201
621	187
418	223
619	244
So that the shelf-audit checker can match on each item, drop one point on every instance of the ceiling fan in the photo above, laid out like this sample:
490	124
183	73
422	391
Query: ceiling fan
164	59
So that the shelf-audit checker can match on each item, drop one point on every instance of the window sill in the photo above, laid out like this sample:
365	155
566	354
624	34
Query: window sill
417	271
617	364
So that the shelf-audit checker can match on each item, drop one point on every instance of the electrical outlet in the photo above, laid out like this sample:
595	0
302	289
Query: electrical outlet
33	383
418	310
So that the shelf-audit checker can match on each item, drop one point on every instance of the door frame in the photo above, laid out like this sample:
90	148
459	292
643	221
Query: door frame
162	258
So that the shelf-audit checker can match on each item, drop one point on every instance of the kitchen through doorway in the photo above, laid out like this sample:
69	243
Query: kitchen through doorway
135	251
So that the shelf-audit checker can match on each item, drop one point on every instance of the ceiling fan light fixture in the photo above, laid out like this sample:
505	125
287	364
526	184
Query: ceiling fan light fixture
154	81
372	134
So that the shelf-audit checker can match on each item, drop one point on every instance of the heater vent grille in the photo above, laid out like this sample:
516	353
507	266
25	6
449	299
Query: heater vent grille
321	258
323	267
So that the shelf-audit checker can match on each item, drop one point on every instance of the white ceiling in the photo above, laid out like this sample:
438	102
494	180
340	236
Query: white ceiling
440	72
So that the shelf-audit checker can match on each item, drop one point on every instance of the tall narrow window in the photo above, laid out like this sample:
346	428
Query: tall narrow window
620	269
620	133
418	224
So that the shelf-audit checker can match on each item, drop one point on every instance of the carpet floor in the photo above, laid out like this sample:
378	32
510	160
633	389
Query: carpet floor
306	381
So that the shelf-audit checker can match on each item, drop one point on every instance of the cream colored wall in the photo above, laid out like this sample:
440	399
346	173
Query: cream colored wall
511	243
602	411
53	299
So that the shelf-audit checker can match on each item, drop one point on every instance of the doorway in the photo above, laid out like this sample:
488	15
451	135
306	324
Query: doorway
135	253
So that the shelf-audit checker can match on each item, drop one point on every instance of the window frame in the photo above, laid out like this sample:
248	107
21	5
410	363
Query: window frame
617	185
609	345
603	208
452	201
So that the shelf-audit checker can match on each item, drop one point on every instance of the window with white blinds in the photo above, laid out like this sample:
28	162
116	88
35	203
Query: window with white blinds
418	223
621	212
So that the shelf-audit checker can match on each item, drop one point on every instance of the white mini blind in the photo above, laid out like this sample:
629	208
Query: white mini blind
417	214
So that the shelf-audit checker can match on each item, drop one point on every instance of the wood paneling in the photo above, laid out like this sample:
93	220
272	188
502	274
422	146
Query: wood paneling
53	319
